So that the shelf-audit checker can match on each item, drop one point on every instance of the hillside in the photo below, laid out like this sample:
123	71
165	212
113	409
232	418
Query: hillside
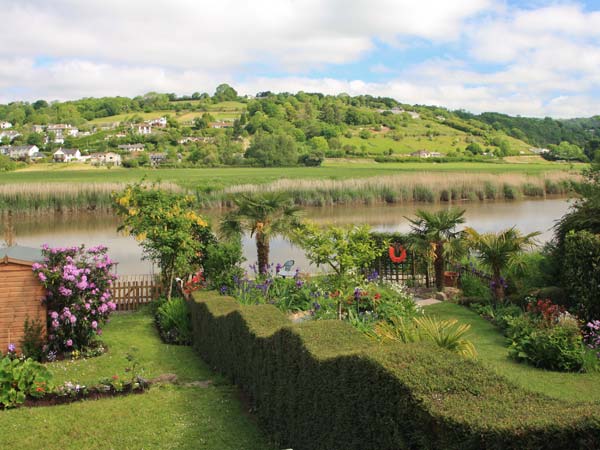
280	130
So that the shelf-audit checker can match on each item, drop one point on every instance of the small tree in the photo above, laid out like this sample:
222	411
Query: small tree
348	252
497	251
264	216
439	229
170	232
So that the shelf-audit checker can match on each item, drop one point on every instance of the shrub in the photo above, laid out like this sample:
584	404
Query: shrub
173	320
222	264
556	348
581	273
547	338
20	378
472	286
322	385
78	283
32	343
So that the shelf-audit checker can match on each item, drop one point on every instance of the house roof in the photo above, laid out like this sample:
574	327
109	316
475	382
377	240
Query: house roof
18	254
67	151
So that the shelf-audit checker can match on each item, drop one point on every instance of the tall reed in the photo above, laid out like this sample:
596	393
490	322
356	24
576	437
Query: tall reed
426	187
61	197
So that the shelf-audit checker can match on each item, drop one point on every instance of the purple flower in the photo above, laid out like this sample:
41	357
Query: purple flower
69	343
94	324
65	292
54	315
299	283
55	324
223	290
42	277
73	319
12	348
373	276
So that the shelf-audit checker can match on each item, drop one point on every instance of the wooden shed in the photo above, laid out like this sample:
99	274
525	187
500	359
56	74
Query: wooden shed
21	293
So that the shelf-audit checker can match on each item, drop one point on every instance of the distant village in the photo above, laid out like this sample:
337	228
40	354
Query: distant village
58	133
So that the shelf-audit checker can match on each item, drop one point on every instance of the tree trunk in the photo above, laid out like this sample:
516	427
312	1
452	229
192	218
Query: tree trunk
498	288
170	285
262	251
438	264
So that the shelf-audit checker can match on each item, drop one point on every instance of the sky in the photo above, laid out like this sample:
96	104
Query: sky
531	58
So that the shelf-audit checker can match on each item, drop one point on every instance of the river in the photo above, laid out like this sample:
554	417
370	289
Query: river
93	229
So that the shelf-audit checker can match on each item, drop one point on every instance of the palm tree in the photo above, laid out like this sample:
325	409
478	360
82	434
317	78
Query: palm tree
497	251
264	216
439	230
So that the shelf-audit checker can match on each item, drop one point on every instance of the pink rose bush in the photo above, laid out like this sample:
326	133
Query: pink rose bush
78	294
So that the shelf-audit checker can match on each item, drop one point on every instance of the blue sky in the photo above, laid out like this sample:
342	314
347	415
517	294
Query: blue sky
535	58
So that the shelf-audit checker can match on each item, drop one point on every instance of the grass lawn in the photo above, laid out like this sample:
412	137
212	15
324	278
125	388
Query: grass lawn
166	417
225	176
492	352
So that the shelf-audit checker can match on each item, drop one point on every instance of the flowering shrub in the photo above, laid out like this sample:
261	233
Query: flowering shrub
548	337
546	311
592	335
78	295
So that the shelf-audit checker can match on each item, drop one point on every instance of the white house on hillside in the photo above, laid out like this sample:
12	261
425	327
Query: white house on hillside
19	151
142	128
160	122
66	155
10	135
131	147
426	154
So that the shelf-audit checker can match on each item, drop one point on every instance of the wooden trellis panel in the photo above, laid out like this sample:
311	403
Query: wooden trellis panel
131	291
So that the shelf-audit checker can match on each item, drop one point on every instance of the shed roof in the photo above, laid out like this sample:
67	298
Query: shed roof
20	255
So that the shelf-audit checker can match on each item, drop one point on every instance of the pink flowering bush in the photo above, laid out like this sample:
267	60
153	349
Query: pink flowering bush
78	296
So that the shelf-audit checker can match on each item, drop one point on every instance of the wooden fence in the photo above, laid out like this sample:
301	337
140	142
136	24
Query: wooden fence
131	291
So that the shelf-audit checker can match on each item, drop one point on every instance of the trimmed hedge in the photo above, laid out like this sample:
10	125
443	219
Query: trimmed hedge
581	273
322	385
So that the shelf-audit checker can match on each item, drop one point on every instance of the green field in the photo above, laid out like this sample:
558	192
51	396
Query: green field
167	417
222	177
493	353
420	134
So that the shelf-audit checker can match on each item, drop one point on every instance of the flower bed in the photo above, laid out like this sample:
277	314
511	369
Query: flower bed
323	385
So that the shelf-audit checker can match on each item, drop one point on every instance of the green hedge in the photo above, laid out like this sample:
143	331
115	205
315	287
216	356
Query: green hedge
322	385
581	273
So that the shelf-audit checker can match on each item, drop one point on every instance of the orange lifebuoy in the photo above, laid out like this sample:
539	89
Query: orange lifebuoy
397	259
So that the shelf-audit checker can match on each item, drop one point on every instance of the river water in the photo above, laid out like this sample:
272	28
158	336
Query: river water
93	229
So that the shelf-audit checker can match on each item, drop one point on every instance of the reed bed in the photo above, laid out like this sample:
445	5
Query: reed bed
426	187
415	187
62	197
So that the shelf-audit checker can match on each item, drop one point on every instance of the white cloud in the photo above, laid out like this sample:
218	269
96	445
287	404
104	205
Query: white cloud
225	34
537	61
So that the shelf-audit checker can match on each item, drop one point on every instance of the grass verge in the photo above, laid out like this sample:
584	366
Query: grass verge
493	353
